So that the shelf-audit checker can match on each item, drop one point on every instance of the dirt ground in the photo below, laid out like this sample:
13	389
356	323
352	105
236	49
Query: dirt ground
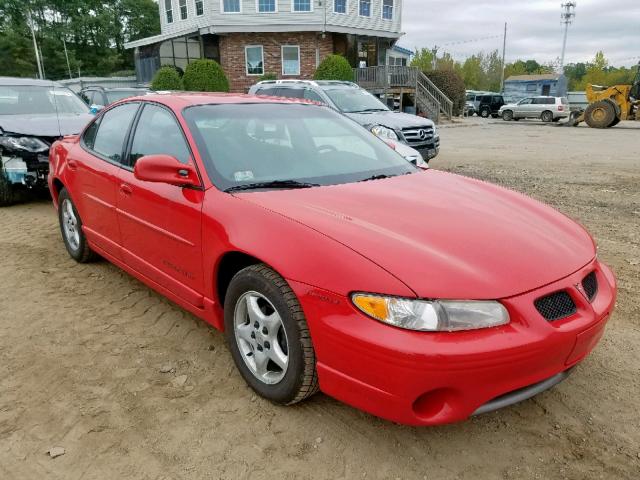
82	348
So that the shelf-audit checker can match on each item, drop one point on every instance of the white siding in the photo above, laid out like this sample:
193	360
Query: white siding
284	19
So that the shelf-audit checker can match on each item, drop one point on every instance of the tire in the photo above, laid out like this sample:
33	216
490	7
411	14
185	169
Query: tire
615	122
507	115
547	116
74	238
276	333
485	112
600	114
7	192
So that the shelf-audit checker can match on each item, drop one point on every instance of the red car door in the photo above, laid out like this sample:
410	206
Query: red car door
160	224
92	176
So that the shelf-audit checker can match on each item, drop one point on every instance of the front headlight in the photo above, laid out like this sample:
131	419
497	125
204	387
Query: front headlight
384	132
432	316
27	144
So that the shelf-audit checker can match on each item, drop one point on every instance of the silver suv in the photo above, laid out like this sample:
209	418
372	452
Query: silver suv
359	105
547	109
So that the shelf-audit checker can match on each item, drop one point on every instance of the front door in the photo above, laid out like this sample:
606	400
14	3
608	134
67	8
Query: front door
546	90
160	224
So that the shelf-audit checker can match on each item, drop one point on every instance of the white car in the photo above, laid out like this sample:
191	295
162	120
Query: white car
547	109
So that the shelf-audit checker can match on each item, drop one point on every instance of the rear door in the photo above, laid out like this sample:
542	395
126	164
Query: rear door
92	176
160	223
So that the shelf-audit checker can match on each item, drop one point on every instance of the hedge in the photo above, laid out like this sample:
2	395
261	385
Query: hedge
452	85
205	76
334	67
167	78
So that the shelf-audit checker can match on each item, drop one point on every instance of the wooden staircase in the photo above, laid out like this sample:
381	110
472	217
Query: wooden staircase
394	80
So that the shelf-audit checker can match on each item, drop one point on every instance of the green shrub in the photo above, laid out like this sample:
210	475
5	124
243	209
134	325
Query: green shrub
268	76
334	67
166	78
176	68
205	76
452	85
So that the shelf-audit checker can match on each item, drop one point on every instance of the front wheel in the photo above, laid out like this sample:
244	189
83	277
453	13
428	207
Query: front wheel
71	228
268	336
507	115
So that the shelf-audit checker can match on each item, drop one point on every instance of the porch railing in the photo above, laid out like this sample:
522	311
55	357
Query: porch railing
387	77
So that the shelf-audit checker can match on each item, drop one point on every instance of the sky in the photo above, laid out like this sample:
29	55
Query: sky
534	28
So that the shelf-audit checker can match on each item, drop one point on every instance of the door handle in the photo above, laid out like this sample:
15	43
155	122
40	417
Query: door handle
72	164
126	189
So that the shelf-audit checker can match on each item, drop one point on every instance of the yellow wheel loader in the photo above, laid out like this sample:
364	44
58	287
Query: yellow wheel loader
609	105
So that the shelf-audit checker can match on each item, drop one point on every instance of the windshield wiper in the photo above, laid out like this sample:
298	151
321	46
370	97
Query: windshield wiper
376	177
367	110
278	184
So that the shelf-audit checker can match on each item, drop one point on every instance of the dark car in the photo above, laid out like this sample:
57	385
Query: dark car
99	97
489	105
356	103
33	115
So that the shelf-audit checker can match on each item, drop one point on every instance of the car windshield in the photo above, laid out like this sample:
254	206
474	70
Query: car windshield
251	144
115	95
37	100
355	100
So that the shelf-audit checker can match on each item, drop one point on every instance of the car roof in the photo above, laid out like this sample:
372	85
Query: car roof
115	89
10	81
180	100
306	83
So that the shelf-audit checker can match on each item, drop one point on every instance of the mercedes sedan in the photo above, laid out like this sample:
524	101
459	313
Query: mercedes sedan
329	261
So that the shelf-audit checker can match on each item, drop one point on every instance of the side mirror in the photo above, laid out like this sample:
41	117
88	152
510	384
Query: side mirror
165	169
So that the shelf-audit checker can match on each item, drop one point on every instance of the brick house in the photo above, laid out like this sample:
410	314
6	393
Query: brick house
285	38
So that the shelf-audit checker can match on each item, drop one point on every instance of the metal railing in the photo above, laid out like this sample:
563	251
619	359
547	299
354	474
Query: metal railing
387	77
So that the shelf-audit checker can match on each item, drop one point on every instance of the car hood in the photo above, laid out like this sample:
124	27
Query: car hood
44	125
395	120
508	105
443	235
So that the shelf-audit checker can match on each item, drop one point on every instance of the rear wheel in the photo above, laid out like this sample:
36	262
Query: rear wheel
600	114
485	112
268	336
547	116
507	115
71	228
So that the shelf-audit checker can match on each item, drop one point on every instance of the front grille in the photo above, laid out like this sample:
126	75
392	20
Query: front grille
555	306
590	285
414	137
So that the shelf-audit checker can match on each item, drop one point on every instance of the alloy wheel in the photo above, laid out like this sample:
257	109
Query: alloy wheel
70	225
261	337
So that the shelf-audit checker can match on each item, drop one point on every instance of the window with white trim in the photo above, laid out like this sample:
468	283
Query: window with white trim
254	58
267	6
231	6
387	9
184	13
365	8
168	9
290	60
302	5
339	6
199	8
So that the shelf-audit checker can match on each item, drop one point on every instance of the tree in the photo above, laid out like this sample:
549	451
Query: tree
452	85
334	67
205	76
423	60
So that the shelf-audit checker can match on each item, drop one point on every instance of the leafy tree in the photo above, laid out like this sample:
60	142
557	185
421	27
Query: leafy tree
205	76
423	59
334	67
452	85
167	78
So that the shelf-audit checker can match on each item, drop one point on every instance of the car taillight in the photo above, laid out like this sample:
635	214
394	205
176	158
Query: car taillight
561	108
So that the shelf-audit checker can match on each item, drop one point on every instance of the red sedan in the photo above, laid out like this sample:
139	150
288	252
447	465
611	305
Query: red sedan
329	261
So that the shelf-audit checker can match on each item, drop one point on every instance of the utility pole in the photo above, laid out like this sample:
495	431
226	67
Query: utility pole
35	47
504	50
567	15
434	60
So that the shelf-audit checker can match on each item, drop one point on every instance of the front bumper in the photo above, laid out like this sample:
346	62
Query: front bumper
420	378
